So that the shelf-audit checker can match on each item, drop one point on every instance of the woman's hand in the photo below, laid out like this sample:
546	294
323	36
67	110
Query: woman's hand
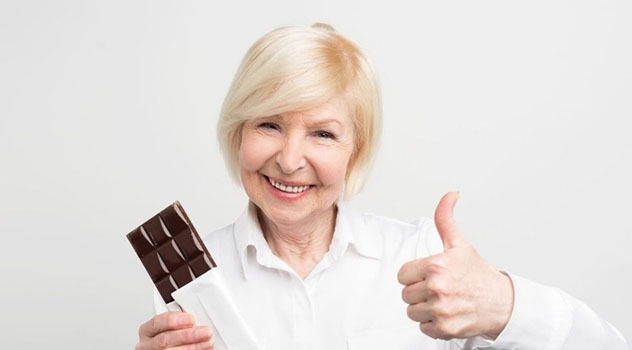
174	330
456	294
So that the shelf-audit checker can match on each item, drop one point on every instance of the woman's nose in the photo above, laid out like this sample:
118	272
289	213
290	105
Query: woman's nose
291	156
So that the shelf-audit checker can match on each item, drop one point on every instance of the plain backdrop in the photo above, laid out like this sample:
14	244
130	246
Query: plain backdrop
108	112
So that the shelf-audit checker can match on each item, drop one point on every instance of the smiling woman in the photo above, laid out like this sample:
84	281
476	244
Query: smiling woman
293	168
308	149
297	70
298	129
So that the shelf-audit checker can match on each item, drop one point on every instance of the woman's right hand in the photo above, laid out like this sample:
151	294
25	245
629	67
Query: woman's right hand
174	330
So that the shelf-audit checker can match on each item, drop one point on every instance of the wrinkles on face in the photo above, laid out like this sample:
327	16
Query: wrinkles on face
293	165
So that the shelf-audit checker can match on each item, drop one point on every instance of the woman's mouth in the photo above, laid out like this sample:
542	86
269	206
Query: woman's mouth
287	188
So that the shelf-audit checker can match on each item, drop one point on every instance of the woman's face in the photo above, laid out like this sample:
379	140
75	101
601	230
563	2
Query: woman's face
293	165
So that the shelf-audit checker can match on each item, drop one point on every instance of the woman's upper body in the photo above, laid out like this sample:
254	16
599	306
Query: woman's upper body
298	129
352	299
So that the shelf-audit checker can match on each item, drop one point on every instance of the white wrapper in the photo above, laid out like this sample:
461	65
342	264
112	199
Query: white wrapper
208	299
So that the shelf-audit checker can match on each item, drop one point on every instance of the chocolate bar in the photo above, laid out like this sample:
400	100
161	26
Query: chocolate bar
171	250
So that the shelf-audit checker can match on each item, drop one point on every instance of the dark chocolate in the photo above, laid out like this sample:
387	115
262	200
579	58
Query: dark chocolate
171	250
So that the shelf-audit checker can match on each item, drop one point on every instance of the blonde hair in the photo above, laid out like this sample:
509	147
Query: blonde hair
299	68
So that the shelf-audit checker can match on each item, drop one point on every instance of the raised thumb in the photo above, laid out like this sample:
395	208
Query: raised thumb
446	225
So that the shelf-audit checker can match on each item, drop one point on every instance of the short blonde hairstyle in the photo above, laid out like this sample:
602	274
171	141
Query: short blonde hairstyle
298	68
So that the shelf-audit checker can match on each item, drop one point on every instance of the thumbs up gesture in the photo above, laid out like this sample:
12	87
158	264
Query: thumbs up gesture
456	294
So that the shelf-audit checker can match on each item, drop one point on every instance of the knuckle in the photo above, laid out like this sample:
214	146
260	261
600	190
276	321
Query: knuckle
441	312
435	268
443	330
435	286
155	324
162	340
447	328
188	336
444	310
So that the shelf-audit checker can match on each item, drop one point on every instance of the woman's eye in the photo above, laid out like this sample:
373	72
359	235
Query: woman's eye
325	134
268	125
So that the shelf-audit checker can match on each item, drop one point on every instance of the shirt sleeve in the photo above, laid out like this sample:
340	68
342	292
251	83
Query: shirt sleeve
546	318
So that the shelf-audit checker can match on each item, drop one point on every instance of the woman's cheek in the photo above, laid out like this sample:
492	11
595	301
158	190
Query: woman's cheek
333	167
252	154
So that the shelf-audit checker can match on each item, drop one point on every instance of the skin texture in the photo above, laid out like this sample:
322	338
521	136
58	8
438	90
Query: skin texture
456	294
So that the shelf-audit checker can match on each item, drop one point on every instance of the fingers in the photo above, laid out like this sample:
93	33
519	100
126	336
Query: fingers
420	269
178	338
165	322
421	312
417	293
438	318
439	329
432	291
175	331
198	346
446	225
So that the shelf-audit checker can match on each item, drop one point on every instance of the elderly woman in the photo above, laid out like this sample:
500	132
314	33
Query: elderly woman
298	128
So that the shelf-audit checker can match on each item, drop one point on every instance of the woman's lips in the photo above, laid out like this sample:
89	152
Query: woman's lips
287	188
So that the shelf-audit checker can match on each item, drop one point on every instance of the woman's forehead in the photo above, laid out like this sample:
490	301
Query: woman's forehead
335	110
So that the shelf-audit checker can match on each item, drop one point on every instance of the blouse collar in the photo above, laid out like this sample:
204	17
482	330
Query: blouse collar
350	231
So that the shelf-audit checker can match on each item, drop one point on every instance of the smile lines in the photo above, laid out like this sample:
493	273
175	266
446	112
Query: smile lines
287	188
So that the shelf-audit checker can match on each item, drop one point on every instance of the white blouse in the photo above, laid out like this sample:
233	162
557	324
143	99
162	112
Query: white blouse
352	299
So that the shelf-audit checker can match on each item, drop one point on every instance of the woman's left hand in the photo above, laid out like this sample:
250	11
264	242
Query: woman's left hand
456	294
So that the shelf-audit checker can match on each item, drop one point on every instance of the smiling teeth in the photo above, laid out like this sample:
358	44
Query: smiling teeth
286	188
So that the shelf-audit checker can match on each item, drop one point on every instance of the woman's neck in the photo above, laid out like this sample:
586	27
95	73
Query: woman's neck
303	245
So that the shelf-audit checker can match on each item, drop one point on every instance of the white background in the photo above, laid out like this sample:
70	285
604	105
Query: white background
108	111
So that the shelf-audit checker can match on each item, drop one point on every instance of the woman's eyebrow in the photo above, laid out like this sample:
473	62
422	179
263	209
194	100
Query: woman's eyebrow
270	117
327	121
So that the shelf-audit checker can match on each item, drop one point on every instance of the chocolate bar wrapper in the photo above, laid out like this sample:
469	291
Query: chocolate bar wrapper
210	301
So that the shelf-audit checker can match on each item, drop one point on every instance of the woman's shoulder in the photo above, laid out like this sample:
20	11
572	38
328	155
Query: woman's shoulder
221	243
381	224
394	233
390	224
219	236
